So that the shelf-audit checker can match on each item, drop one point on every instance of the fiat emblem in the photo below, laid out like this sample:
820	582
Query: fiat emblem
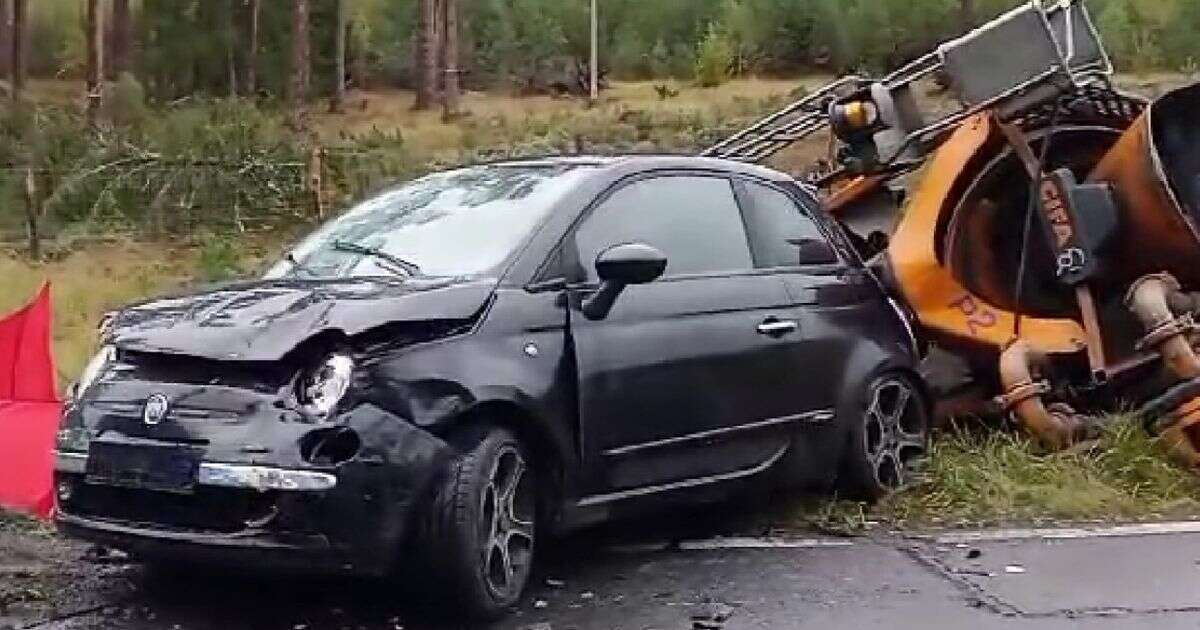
156	409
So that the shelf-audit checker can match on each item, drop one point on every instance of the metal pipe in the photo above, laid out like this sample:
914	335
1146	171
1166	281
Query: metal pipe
1058	428
1149	298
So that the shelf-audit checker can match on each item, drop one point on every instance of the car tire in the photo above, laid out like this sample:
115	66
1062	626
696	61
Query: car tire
484	523
889	435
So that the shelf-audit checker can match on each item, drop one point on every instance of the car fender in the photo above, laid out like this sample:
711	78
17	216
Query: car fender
441	384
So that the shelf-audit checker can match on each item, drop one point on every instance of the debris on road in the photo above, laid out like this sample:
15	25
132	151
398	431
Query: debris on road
711	616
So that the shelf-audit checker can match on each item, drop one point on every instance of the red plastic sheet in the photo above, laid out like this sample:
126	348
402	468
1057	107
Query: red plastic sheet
29	408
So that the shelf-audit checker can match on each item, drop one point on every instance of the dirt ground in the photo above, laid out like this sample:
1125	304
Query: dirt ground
44	577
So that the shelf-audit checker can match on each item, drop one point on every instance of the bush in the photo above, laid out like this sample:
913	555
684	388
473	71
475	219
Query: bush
126	102
714	57
219	258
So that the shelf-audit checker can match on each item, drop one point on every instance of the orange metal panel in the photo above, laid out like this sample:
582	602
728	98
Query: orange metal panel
946	308
1155	234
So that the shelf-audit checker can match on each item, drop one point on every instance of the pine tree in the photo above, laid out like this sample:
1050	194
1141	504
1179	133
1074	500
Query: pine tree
19	32
5	37
426	63
301	61
451	93
339	54
122	38
253	11
95	60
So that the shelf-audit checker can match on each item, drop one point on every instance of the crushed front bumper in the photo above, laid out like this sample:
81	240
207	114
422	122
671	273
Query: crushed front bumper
351	517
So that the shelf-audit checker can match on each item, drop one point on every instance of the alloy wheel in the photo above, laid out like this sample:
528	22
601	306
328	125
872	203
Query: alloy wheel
895	431
507	524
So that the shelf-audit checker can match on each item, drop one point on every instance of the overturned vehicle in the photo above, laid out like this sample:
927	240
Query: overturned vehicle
1045	230
459	363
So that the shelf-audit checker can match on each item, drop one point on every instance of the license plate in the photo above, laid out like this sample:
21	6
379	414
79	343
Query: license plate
165	468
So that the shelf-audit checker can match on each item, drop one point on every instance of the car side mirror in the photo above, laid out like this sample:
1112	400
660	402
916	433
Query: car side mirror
618	267
814	251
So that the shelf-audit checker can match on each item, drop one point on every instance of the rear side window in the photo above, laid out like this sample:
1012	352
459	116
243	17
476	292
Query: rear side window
694	220
772	219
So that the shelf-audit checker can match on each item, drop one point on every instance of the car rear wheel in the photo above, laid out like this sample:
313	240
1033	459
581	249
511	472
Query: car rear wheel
889	437
485	524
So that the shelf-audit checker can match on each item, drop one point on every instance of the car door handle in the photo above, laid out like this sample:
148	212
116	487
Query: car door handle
777	327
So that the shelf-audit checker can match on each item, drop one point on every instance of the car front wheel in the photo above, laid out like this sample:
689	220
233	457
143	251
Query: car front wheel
889	437
485	524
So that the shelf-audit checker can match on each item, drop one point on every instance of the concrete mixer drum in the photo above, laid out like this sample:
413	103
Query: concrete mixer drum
1046	231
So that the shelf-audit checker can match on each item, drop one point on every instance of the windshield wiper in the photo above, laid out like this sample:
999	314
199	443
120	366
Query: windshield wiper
395	262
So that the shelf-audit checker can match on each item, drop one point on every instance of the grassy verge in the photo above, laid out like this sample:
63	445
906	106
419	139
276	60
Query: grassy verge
975	479
89	282
17	523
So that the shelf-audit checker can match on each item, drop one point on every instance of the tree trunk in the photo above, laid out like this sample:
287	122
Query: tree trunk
95	60
231	46
32	215
5	37
19	32
339	56
122	38
439	43
251	79
451	94
426	65
298	85
357	54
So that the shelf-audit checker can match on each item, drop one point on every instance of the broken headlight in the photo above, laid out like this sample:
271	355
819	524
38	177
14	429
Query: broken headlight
93	370
322	387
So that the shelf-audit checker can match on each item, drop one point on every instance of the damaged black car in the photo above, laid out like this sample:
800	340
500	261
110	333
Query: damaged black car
465	363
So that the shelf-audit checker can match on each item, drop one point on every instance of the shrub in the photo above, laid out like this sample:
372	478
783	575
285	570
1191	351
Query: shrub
219	258
126	102
714	57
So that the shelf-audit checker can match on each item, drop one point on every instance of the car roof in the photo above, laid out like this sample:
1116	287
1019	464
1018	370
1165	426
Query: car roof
628	164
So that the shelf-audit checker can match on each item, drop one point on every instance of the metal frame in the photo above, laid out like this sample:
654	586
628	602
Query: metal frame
771	134
811	114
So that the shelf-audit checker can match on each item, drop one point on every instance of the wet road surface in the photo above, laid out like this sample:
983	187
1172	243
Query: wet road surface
1118	582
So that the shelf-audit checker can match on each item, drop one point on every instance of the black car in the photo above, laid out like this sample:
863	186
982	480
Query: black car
464	362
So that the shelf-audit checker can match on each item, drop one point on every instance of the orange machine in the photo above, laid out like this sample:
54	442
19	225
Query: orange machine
1044	231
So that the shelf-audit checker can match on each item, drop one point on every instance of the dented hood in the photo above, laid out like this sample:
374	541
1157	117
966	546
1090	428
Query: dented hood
263	321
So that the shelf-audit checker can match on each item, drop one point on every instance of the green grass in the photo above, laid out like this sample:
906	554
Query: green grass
17	523
89	282
975	479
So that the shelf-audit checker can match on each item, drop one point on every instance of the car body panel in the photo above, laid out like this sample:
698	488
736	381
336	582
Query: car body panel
266	320
644	379
716	402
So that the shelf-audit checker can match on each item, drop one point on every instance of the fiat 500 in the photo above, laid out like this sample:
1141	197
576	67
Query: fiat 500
464	363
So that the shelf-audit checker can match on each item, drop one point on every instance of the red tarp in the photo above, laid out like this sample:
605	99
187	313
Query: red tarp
29	408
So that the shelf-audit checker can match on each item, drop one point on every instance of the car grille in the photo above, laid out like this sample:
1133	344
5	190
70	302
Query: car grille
213	510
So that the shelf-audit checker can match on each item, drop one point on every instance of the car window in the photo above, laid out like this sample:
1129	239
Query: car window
694	220
772	218
455	223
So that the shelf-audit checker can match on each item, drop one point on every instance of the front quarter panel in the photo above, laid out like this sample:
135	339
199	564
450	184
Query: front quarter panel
516	356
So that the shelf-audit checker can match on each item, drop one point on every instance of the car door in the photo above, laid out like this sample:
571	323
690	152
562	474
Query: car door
674	380
829	298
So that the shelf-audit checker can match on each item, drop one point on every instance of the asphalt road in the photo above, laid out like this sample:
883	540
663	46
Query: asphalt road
1129	581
